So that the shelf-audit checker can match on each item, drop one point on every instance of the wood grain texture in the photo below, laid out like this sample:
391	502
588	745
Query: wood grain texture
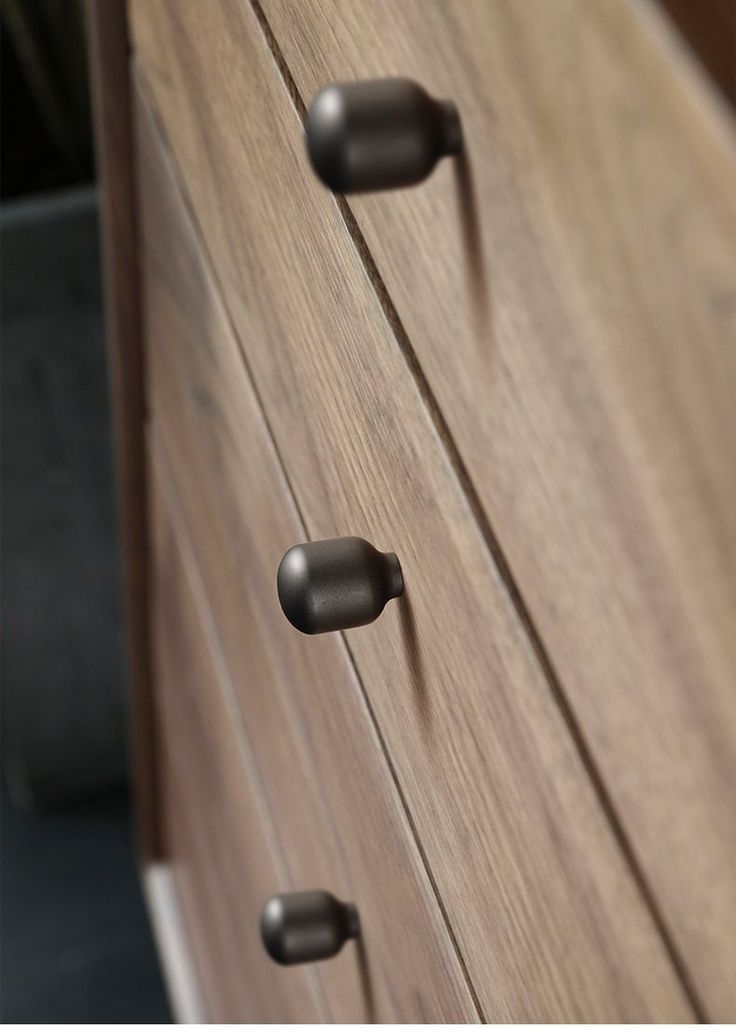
336	813
214	826
548	919
576	321
109	68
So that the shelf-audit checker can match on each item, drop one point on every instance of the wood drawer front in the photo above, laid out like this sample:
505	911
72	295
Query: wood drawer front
576	325
337	817
547	917
215	831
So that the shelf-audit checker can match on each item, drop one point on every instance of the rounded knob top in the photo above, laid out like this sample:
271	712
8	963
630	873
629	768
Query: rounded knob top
307	926
336	584
378	134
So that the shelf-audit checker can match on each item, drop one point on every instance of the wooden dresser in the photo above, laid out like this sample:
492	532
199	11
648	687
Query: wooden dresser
519	376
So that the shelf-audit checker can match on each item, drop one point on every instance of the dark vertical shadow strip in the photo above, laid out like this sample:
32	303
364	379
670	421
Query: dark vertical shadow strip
109	45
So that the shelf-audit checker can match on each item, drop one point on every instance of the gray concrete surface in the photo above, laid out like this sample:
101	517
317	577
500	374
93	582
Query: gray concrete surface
75	943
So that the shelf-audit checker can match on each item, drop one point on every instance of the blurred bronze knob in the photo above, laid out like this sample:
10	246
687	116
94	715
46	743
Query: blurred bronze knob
307	926
379	134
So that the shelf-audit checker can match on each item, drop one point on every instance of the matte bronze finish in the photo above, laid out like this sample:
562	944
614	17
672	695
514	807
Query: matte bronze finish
307	926
336	584
379	134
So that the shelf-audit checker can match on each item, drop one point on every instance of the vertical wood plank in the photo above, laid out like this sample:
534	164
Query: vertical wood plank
547	917
565	296
214	818
294	700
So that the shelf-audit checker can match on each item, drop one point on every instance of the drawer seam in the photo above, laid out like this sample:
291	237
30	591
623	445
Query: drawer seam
499	559
224	686
413	834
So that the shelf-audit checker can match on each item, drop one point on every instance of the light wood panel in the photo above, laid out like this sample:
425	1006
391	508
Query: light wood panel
214	825
336	813
548	919
576	321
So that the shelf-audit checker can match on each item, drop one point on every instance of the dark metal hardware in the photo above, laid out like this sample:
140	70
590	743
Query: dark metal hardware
307	926
336	584
379	134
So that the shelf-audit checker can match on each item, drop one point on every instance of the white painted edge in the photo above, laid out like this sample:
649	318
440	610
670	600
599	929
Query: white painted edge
171	933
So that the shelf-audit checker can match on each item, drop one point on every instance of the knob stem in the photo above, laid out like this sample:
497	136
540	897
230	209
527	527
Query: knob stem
394	576
352	921
452	132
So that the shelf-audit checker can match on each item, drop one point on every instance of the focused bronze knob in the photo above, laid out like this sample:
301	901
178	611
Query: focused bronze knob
379	134
336	584
308	926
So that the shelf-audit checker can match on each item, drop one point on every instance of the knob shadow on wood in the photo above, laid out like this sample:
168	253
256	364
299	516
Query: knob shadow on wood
415	666
473	251
366	981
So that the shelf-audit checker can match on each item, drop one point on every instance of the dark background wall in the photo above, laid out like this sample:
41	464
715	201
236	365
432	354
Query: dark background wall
75	943
47	135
